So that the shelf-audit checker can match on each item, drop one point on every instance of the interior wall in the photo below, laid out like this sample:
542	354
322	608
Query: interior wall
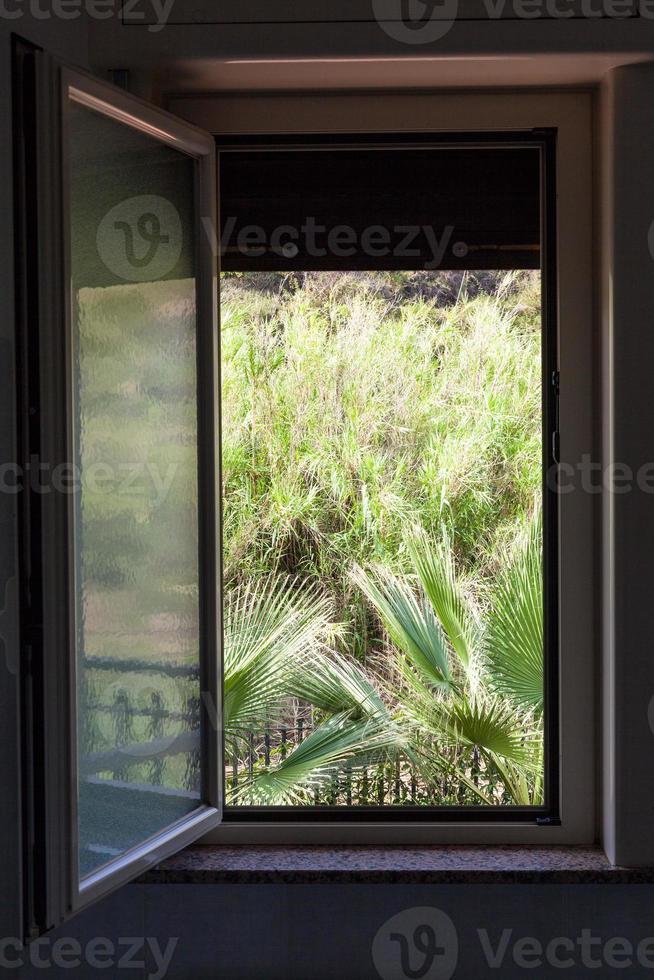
627	119
66	39
327	931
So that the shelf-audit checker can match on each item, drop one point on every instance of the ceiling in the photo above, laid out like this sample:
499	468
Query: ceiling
288	74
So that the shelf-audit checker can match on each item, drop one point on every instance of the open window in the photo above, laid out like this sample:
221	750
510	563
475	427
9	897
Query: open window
389	408
121	579
123	636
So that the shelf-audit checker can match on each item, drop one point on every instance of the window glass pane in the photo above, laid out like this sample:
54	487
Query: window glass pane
136	520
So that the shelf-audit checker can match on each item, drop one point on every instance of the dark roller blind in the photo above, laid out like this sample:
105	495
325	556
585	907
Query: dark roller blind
464	207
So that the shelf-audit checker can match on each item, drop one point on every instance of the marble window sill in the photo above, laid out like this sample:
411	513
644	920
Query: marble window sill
408	865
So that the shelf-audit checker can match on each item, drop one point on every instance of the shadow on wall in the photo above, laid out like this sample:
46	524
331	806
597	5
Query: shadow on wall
353	932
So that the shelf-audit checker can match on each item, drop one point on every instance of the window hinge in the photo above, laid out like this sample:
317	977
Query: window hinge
556	446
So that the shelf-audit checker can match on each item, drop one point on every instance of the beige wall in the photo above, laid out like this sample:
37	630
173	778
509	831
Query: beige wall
341	46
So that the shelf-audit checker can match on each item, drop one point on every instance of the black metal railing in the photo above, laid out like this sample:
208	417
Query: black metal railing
149	734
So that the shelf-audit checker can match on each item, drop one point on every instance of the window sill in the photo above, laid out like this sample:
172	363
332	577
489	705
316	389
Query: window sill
405	865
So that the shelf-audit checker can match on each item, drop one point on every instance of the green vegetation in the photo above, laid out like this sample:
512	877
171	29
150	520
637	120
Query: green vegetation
382	561
278	646
381	469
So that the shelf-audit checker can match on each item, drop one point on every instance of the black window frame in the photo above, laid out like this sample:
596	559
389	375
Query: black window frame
548	814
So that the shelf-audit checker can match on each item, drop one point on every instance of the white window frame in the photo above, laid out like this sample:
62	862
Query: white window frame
571	115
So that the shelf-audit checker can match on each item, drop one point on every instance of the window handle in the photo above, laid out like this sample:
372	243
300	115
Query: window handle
556	435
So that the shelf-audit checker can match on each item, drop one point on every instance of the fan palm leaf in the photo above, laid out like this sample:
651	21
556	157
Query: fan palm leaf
270	631
277	648
332	684
492	710
340	739
434	564
513	642
410	622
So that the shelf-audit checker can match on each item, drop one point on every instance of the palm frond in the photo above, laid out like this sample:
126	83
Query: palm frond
339	740
333	684
490	725
513	643
483	721
270	631
434	564
410	622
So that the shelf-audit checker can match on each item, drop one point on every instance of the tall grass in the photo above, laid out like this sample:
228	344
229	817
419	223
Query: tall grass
357	404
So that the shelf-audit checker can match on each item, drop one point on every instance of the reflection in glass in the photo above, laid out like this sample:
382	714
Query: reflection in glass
136	521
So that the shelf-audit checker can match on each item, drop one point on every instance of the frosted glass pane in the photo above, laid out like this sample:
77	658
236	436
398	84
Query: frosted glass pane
136	520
